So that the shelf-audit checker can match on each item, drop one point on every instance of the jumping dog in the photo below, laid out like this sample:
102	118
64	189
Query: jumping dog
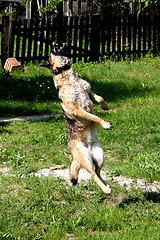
81	122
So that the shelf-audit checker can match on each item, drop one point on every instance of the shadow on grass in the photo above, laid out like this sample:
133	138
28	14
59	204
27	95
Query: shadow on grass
121	202
37	88
25	108
152	196
41	87
21	95
149	196
119	90
3	126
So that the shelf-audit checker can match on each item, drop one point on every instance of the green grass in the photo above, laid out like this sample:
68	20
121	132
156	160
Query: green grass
125	84
43	208
47	208
28	146
28	90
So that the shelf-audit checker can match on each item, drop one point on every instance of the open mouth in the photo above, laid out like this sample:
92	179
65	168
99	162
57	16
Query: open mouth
45	64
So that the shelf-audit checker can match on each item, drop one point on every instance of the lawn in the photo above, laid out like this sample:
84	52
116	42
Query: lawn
47	208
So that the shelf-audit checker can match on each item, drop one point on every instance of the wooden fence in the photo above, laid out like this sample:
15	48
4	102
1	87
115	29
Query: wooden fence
89	38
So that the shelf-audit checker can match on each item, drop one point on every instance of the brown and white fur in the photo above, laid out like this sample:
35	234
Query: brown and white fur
81	122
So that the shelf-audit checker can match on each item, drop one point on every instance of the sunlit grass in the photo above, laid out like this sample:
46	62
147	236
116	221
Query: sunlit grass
48	208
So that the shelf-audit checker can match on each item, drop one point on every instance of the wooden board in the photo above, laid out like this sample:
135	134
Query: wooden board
10	63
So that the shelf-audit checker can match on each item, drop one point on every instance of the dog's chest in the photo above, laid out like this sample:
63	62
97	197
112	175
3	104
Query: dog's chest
82	98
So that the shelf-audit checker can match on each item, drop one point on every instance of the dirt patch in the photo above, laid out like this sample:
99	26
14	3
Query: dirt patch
4	169
26	118
57	171
84	176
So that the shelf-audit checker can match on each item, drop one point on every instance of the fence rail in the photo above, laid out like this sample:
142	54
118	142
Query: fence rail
90	37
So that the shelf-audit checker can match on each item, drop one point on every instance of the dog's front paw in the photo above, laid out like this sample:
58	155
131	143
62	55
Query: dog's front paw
106	125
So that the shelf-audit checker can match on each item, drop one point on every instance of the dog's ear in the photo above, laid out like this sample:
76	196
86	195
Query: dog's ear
56	50
63	49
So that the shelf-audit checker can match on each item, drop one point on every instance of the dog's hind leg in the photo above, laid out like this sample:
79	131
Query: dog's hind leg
98	158
81	155
74	170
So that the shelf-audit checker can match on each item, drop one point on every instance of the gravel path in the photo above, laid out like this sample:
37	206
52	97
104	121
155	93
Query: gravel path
84	176
57	172
26	118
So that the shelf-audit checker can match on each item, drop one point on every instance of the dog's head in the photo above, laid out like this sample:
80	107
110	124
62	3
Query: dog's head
57	62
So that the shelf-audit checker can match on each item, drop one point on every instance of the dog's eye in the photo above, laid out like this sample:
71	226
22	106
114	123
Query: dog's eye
50	62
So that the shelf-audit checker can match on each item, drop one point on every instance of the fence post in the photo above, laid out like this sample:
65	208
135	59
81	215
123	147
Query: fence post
95	38
5	38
